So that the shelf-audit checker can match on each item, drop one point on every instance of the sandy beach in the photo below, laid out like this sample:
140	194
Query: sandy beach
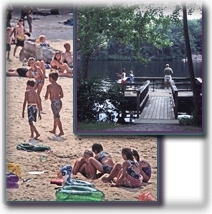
38	187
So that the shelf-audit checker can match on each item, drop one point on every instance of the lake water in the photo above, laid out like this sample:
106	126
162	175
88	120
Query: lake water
106	70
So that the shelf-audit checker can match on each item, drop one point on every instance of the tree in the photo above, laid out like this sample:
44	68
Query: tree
196	93
128	24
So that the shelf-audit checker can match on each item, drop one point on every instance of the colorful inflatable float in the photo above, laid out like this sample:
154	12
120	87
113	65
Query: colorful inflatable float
76	190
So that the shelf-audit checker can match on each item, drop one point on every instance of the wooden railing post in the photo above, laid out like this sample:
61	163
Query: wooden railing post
138	103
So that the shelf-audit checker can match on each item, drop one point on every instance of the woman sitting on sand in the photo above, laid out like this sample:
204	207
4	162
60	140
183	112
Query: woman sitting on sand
82	165
58	65
128	173
102	161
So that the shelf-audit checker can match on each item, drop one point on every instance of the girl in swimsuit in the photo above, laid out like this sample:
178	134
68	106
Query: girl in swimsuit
102	161
129	175
57	63
145	167
37	73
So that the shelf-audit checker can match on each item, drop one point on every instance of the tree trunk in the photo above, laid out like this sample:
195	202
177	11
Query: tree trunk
85	63
196	92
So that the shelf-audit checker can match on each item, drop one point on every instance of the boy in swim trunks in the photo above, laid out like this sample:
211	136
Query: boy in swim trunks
8	42
19	35
102	161
54	90
31	98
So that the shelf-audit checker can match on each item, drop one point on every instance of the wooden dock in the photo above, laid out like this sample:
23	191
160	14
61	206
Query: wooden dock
152	104
158	108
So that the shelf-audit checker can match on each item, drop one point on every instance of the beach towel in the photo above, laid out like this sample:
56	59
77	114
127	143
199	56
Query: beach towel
32	148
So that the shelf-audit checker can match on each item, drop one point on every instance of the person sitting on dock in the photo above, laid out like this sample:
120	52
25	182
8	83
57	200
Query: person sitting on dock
167	78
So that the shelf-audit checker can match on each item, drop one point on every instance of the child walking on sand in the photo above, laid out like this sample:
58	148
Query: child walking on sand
102	161
54	90
31	97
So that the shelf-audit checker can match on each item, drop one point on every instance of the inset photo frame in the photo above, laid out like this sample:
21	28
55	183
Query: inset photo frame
139	69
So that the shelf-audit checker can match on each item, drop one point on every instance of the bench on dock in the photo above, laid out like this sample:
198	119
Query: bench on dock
134	99
185	96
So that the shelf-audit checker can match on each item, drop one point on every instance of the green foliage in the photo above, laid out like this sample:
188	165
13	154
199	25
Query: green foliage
131	25
94	91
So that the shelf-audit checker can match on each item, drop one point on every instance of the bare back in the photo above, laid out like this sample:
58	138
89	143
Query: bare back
55	91
31	97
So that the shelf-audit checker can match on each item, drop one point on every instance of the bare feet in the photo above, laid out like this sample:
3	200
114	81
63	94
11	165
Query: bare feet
53	132
106	180
37	135
60	134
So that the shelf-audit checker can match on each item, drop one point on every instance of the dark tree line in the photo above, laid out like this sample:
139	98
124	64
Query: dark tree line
116	50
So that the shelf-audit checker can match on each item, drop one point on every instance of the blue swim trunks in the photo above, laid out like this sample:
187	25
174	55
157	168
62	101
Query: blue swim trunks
32	113
56	106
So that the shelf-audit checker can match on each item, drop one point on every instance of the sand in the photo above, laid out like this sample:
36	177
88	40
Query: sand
38	188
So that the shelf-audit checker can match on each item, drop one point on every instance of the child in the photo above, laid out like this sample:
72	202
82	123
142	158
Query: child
43	42
102	161
82	165
31	97
19	35
122	76
56	93
129	174
8	42
144	167
131	77
37	73
58	64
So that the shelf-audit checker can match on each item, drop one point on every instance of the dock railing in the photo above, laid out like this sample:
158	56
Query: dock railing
175	98
142	97
136	100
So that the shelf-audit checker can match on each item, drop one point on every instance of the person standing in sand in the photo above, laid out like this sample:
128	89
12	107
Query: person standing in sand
37	73
31	98
8	42
54	90
19	35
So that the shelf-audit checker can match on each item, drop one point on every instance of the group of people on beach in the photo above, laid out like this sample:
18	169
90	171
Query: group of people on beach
131	173
32	99
36	72
61	61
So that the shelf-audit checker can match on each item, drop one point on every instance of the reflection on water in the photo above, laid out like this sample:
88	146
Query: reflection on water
106	70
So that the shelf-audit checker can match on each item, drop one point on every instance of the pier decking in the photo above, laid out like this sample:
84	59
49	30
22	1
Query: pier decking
158	109
151	104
